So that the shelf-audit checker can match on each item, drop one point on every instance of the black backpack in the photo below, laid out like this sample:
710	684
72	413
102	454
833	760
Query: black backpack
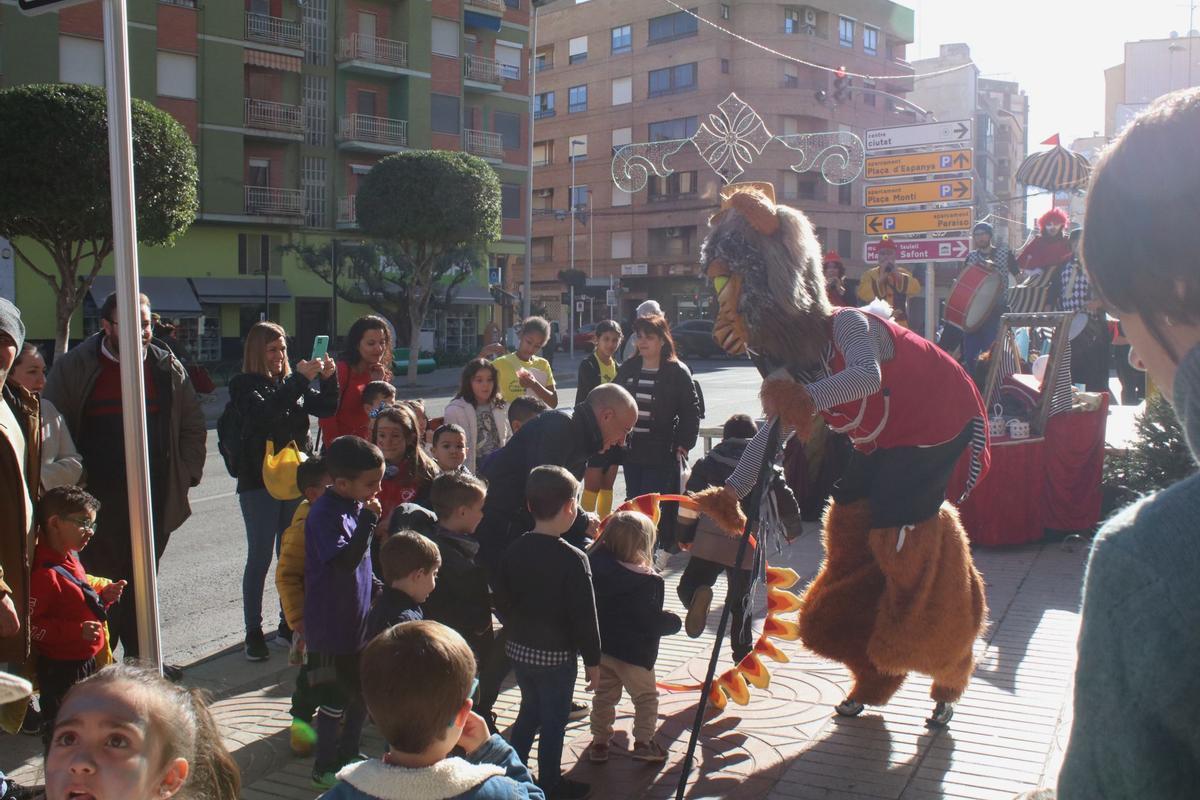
229	438
699	396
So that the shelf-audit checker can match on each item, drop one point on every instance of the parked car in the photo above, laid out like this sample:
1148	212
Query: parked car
585	338
694	339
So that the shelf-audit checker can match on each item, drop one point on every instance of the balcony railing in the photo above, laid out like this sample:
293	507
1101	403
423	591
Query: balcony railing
180	3
274	30
542	113
271	202
272	116
494	5
483	143
347	212
381	130
388	52
479	68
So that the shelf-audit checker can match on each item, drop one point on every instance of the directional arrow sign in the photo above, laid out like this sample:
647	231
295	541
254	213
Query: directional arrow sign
929	133
911	194
909	250
947	219
915	164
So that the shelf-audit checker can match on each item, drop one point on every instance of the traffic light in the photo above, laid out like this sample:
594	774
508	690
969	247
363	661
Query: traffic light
842	84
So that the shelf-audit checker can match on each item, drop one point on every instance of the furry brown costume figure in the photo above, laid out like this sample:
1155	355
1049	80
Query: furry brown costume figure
898	591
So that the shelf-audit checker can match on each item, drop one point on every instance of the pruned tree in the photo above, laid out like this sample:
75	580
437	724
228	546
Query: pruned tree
54	163
432	212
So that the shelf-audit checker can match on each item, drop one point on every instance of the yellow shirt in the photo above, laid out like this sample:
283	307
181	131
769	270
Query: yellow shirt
506	370
608	372
873	285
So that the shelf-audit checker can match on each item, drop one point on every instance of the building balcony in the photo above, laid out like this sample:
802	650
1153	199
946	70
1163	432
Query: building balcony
267	201
347	213
486	5
543	113
378	134
274	30
274	118
482	73
484	144
372	53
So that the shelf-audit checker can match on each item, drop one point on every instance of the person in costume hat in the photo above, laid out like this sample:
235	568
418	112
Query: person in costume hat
1051	248
835	280
898	591
888	282
993	257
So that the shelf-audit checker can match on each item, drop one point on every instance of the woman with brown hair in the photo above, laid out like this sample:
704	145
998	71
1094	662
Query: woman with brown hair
668	417
366	357
1134	732
275	404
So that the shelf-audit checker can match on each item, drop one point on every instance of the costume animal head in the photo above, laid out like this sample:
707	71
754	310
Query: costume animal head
765	266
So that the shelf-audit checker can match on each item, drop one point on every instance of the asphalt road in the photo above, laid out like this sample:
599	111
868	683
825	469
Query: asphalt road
201	572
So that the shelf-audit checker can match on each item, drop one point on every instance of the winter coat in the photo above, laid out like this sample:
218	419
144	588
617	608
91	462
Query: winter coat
289	569
460	412
61	462
589	377
58	608
349	417
674	413
461	599
708	540
278	411
19	482
184	431
629	608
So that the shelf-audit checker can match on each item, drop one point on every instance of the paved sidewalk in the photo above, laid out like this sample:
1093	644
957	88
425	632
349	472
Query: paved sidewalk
1006	737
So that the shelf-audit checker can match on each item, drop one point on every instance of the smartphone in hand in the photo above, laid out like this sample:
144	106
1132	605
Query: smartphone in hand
320	347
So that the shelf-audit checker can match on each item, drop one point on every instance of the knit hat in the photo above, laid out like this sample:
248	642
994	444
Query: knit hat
10	322
650	308
983	227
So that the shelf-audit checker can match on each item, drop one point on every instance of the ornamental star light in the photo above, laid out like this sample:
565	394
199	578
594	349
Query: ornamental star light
734	138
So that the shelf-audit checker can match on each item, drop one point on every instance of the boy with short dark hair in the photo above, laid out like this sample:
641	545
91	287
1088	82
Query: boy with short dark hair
417	680
67	606
377	393
462	598
409	563
523	409
450	447
544	595
337	596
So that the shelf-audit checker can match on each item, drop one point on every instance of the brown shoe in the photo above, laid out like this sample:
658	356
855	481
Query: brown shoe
598	752
697	615
651	752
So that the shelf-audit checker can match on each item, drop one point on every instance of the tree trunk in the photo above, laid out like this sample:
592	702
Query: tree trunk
414	347
64	309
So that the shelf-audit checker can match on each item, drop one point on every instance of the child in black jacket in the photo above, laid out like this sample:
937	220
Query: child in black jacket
629	607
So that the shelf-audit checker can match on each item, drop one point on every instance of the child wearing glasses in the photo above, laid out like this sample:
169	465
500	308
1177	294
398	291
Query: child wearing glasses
417	681
68	607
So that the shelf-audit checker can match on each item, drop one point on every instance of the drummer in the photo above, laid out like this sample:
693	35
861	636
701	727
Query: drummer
998	258
890	283
1091	343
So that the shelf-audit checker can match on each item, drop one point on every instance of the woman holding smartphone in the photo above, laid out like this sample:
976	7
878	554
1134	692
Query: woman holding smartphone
366	357
275	404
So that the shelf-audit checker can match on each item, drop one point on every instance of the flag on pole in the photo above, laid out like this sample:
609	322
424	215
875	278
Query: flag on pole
1053	140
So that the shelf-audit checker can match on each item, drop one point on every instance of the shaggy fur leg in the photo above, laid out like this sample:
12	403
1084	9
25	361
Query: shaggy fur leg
872	687
789	400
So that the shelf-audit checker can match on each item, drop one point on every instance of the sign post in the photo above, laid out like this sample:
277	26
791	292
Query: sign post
926	134
912	165
936	221
918	193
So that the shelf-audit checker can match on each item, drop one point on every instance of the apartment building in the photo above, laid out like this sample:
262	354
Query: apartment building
614	72
289	104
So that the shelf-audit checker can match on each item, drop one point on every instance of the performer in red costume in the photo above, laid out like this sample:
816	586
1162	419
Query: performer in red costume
898	591
1051	248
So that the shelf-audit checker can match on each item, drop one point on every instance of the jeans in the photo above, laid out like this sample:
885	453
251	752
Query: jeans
656	478
266	520
545	705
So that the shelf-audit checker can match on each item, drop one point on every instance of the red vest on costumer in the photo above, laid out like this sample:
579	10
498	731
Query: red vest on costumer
925	397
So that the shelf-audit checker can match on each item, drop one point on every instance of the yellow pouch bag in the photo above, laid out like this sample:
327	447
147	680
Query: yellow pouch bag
279	470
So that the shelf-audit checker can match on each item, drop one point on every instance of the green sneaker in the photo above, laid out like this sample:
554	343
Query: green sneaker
323	780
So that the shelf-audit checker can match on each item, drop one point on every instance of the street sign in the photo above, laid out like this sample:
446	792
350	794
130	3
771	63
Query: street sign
579	305
917	164
32	7
916	193
926	134
909	250
494	276
946	219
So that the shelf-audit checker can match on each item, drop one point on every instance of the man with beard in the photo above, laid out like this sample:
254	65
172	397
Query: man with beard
993	257
1050	248
85	385
890	283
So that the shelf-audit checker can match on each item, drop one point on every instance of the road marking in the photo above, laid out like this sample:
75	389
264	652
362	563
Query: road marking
221	496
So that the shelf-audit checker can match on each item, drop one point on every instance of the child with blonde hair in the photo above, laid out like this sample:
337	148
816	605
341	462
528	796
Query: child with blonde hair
629	607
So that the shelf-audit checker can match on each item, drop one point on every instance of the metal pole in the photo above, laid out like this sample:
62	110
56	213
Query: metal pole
571	321
129	327
591	237
267	289
526	295
333	273
930	302
571	309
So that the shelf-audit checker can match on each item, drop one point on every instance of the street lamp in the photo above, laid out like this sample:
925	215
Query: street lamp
527	294
571	310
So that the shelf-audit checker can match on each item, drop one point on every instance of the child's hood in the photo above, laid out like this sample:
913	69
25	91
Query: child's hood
611	577
448	778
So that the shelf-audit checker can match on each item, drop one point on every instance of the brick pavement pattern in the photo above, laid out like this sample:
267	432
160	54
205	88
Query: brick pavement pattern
1007	735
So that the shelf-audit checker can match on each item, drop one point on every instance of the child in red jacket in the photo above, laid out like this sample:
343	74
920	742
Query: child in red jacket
67	606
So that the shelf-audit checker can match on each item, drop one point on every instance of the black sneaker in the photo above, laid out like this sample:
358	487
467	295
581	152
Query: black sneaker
567	789
256	646
283	635
578	711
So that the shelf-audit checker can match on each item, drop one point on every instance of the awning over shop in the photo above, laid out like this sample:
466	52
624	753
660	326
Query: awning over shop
239	290
471	295
170	297
473	19
261	58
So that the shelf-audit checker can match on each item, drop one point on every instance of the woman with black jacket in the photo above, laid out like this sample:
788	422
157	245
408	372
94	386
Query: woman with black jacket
275	405
600	367
668	418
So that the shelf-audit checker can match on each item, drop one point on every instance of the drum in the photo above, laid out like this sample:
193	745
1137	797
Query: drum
974	297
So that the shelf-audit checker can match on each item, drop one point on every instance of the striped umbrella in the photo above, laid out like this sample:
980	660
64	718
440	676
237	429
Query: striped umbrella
1057	169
